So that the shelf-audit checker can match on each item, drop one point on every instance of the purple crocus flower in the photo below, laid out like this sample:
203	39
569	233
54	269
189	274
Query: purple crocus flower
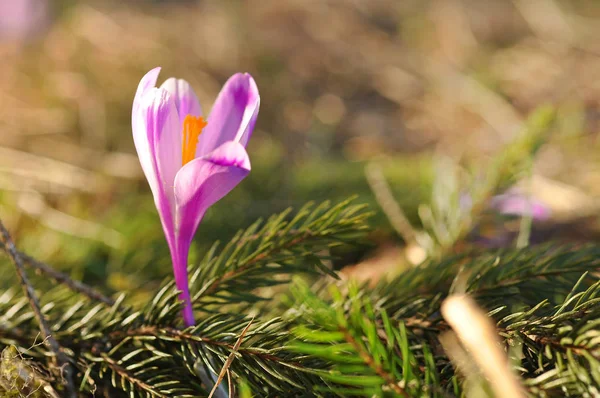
191	163
514	203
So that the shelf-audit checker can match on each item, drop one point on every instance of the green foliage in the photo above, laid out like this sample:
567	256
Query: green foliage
385	341
460	196
369	354
265	255
145	352
318	336
342	340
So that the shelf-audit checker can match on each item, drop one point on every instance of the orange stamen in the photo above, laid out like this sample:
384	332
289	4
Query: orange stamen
192	128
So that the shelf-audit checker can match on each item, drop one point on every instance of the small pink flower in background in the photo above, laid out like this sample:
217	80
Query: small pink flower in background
514	203
22	19
191	163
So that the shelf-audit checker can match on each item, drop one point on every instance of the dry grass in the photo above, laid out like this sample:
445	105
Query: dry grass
340	81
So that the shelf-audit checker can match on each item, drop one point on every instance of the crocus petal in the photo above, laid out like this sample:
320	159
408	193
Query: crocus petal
233	115
153	122
158	117
198	185
185	98
147	82
157	121
142	140
203	181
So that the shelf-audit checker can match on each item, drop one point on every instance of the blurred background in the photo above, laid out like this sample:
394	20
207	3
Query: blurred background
344	84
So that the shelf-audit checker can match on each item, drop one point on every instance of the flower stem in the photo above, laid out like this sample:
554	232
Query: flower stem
179	257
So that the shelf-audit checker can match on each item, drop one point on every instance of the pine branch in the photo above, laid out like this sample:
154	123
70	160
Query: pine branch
371	363
366	354
519	277
338	340
126	375
553	315
136	351
559	341
168	334
265	252
62	278
62	360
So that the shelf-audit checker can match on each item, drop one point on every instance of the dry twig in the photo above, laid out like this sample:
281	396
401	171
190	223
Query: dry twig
62	361
478	334
225	369
389	205
62	278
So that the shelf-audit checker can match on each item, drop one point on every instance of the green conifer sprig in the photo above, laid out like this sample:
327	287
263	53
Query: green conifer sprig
145	351
386	341
267	254
327	339
560	343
